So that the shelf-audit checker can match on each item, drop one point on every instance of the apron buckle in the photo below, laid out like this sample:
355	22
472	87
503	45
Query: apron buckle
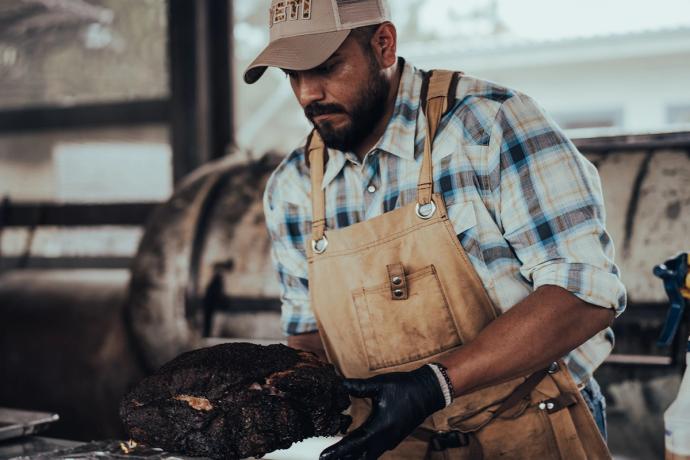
442	440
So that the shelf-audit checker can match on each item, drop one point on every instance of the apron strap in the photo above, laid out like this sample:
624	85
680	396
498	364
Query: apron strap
439	441
435	104
316	155
520	392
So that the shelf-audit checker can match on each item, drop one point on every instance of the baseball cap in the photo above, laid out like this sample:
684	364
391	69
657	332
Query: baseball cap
304	33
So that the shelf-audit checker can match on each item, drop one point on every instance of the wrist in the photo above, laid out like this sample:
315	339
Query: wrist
441	373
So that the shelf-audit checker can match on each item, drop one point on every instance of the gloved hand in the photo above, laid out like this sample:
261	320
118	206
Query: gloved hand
400	403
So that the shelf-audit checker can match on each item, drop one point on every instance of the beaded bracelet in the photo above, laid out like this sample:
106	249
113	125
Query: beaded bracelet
444	381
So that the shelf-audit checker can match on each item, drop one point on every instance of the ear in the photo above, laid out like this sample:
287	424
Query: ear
384	43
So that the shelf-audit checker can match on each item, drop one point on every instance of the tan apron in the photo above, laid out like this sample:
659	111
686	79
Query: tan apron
397	291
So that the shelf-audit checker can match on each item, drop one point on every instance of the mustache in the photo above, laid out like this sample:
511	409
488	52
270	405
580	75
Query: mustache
314	109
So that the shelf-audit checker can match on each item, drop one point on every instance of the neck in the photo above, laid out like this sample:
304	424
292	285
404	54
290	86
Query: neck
393	73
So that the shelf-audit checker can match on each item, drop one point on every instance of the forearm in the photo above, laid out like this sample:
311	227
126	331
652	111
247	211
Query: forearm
311	341
540	329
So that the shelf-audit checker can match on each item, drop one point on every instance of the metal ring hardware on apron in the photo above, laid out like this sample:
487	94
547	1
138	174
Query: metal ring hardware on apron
386	299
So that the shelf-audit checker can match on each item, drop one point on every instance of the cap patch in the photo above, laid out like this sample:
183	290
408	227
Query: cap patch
292	10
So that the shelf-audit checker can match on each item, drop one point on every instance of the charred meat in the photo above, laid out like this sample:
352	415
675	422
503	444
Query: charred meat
236	400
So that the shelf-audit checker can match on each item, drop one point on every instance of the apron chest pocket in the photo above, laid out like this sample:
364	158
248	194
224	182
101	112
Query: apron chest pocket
397	332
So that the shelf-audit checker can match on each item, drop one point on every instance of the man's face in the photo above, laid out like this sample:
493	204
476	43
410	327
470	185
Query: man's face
344	97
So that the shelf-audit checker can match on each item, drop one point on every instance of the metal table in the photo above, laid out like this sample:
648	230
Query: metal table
32	445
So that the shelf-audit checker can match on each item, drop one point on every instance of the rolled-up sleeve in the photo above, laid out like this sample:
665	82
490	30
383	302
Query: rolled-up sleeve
551	207
287	226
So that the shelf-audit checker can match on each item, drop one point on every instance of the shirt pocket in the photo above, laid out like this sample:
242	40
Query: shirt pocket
448	145
463	219
462	216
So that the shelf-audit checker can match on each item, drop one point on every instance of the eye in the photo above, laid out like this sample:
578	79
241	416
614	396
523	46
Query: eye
289	73
326	68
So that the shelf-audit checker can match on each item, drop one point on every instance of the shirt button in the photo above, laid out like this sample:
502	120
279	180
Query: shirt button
371	189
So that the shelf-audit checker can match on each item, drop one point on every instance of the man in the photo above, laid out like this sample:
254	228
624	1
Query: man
444	201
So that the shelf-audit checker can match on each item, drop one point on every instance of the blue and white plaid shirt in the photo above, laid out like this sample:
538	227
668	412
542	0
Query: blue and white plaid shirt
536	215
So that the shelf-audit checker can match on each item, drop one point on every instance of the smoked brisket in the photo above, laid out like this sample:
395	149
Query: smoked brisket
236	400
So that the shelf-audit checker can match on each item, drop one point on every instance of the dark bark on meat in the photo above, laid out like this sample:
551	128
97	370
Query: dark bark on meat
236	400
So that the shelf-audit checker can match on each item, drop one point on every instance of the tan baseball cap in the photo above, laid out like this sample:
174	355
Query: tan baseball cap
304	33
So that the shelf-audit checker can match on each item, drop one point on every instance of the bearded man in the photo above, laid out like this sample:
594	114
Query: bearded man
442	243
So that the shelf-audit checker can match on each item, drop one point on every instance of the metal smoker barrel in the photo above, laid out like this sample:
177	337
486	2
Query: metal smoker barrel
647	197
206	241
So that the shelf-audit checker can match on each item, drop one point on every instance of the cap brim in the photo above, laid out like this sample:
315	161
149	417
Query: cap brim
301	52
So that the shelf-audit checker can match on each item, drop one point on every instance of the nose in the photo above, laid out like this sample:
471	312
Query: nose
308	88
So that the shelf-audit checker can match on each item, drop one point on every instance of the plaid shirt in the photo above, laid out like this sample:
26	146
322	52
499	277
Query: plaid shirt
525	204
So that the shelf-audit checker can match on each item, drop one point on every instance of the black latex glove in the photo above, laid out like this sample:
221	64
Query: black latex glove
400	403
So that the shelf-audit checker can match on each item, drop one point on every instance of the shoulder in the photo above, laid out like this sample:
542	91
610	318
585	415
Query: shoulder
477	103
289	181
481	106
474	89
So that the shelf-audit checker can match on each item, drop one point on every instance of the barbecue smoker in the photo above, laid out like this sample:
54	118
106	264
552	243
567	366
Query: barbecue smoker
203	267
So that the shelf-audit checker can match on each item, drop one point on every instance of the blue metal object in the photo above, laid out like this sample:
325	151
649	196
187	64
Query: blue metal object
673	272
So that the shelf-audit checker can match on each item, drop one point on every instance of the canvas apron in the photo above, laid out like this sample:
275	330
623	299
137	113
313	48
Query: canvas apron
397	291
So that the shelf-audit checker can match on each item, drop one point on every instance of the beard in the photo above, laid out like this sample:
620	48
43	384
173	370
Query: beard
364	114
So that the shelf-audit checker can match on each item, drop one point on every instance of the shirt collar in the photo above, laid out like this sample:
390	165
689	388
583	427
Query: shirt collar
399	137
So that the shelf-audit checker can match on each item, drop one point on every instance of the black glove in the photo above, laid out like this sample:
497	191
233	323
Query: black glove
400	403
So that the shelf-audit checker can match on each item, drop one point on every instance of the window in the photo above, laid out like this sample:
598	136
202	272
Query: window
78	55
86	165
62	65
